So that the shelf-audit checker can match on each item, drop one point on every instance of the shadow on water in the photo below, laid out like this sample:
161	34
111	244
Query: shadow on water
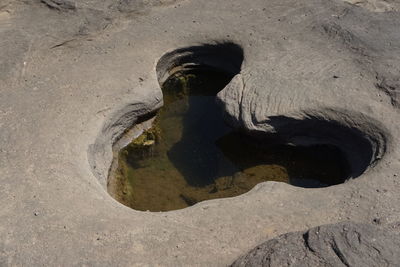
208	149
311	167
190	155
195	155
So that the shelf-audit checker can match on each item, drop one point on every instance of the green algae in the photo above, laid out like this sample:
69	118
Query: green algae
190	155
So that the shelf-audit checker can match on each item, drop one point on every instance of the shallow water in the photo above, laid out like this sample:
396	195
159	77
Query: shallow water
190	154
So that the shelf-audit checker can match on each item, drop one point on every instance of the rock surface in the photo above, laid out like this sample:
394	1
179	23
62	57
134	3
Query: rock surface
342	244
74	75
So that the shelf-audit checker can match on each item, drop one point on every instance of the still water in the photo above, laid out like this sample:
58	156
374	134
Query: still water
190	155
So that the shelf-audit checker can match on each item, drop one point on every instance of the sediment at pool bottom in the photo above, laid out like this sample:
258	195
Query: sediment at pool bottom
190	155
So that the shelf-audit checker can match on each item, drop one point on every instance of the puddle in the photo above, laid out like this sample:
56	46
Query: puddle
190	155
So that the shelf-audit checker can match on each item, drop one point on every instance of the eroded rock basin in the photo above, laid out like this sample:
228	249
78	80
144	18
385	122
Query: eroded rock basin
73	81
190	155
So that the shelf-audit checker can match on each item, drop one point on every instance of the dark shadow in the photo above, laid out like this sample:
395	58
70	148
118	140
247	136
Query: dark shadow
312	166
195	155
190	155
213	66
225	57
355	145
208	149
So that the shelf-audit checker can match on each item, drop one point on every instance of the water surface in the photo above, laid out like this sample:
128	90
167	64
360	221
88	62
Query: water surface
190	154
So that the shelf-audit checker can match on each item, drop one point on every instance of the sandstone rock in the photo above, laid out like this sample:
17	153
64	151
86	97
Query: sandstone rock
342	244
70	87
60	4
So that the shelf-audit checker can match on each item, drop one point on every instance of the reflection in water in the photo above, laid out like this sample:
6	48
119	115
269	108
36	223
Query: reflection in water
190	155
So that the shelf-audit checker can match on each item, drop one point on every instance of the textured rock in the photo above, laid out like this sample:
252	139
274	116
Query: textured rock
60	4
377	5
342	244
74	77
